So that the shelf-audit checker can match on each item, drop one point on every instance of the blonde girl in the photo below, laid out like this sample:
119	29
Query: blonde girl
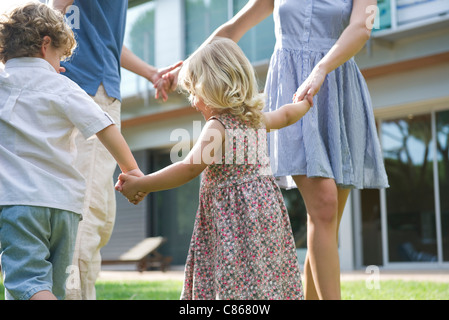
242	245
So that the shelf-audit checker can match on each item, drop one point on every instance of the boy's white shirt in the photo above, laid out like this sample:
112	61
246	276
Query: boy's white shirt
39	113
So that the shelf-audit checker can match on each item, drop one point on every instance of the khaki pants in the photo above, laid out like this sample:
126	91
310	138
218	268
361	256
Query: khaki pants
98	166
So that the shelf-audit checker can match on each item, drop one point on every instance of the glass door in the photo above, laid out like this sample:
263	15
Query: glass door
410	200
442	147
172	212
408	223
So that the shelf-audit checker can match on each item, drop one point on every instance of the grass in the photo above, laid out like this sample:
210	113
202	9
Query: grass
139	290
395	290
351	290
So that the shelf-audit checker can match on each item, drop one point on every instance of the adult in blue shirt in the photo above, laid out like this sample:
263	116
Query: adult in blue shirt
95	66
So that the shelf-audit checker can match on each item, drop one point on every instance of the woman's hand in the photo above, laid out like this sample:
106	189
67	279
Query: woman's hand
310	87
166	80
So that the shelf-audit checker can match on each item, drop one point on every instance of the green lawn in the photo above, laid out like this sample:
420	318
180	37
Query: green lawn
396	290
139	290
351	290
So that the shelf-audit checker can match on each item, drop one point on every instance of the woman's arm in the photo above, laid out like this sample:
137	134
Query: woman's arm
348	45
249	16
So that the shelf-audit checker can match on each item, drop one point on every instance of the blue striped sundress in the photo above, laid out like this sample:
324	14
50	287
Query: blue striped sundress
337	138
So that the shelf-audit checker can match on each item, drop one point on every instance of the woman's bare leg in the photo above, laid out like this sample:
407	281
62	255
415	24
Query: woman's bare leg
310	292
325	203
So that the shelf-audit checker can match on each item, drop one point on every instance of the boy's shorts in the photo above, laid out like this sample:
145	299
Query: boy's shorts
36	246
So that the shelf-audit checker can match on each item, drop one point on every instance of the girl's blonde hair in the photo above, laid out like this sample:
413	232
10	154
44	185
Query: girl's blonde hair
220	74
22	31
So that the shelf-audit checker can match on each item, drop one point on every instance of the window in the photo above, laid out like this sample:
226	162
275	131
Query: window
397	13
172	212
442	146
371	227
384	14
416	211
257	43
298	216
410	198
204	16
139	38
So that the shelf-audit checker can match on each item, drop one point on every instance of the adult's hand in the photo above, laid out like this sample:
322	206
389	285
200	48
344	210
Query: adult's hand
166	80
310	87
133	63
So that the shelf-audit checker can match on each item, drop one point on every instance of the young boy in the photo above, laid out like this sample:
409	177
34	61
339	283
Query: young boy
41	193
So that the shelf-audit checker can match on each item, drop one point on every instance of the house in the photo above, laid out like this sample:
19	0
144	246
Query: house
406	65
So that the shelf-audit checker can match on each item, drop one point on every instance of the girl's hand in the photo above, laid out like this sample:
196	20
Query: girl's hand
128	185
310	87
135	172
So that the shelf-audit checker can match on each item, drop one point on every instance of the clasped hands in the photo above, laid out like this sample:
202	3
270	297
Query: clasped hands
131	186
166	80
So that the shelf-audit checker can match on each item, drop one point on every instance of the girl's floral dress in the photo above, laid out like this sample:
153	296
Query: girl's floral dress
242	245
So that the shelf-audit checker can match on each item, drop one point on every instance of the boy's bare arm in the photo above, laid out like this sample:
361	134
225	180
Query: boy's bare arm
113	140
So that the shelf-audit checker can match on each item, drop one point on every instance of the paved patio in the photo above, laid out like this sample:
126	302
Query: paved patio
177	273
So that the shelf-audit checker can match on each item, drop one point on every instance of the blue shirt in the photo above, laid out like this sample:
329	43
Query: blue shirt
99	35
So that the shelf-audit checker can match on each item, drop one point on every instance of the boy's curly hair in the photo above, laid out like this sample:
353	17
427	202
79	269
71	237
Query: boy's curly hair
23	29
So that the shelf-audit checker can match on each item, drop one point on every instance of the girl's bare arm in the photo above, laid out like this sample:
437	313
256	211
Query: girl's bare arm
202	154
286	115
